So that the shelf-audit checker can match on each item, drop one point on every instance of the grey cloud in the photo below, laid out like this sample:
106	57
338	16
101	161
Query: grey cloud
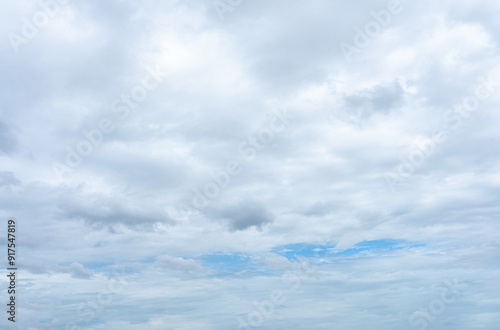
107	211
8	142
33	267
318	209
8	179
176	263
76	270
243	214
293	44
379	99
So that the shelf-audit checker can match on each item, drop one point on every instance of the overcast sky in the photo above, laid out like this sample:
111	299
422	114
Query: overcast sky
251	164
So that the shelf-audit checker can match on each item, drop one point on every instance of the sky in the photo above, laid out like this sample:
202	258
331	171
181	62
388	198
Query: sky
237	164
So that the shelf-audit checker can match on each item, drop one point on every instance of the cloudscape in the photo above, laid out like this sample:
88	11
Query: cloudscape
250	164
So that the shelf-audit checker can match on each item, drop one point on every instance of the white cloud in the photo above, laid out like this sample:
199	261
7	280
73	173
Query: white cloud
320	181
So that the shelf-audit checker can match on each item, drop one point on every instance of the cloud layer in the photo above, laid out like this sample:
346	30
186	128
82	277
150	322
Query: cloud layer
227	165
